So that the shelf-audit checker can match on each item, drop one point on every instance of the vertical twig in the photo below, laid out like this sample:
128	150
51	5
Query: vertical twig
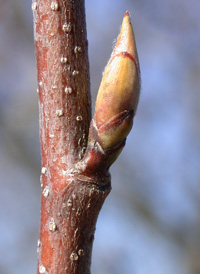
74	177
64	106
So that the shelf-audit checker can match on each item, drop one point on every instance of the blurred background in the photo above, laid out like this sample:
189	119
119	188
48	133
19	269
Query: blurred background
150	223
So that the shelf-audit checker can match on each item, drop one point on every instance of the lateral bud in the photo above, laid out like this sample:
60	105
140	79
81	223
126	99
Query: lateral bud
117	99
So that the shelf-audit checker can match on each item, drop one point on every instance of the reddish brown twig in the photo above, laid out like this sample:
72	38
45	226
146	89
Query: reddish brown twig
75	179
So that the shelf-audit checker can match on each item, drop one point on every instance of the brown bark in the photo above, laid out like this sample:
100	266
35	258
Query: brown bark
70	202
75	179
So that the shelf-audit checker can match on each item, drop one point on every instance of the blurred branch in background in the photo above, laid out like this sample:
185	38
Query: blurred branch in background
155	200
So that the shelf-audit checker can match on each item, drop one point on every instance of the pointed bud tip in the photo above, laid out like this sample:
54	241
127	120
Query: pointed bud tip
126	23
126	41
127	15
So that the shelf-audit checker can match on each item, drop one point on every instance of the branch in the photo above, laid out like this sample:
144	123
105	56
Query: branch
75	180
62	66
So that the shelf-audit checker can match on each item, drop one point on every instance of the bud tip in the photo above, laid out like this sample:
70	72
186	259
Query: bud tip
127	14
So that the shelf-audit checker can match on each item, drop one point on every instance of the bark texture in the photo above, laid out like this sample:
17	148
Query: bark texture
70	202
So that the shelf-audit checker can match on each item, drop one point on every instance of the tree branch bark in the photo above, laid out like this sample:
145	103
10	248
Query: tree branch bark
74	176
69	204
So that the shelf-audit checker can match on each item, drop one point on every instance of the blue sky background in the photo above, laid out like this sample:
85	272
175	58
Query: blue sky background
150	222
